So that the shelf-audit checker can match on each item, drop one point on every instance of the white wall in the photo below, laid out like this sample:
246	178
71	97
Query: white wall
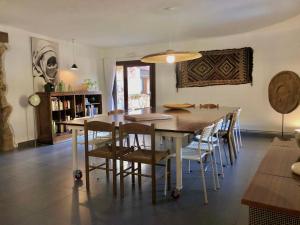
19	78
276	48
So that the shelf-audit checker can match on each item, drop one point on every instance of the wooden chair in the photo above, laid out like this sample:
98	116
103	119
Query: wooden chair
107	152
141	156
98	138
209	106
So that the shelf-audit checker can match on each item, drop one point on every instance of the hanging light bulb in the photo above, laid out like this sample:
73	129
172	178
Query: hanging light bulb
74	66
170	59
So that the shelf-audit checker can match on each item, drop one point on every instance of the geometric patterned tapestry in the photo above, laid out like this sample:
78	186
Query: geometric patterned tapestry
218	67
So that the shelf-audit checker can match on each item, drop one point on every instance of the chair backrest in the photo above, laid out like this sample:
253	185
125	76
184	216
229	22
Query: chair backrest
138	129
232	122
218	126
98	126
209	106
226	122
115	112
206	133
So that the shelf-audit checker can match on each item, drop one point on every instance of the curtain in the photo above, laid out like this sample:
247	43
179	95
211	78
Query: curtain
109	76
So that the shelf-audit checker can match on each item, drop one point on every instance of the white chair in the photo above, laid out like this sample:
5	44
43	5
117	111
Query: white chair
237	129
197	154
224	132
215	141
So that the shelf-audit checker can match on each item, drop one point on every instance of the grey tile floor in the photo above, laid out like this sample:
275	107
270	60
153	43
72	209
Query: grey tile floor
37	188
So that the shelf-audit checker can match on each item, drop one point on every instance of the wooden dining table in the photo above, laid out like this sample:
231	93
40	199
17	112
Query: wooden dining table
182	123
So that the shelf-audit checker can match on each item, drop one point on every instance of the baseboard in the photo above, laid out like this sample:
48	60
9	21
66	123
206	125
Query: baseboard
26	144
270	134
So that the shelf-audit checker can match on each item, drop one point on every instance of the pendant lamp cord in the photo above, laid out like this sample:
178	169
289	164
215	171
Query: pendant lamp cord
73	42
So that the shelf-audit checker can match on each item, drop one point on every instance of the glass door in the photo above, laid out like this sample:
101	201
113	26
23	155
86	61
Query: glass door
134	85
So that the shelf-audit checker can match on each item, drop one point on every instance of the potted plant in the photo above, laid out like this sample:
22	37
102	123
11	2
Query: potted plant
89	85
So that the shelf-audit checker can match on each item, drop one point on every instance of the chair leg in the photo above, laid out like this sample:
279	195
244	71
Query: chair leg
87	173
220	158
233	144
132	175
107	168
153	175
230	150
189	166
236	140
166	177
140	177
225	153
169	174
216	169
213	171
121	179
239	132
203	182
114	177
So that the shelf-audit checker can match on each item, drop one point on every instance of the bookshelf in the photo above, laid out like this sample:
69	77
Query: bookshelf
57	107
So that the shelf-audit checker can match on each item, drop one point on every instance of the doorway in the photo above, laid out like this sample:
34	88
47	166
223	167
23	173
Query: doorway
134	86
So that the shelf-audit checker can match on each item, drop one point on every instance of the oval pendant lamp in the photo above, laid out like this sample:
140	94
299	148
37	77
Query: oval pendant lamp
74	66
171	56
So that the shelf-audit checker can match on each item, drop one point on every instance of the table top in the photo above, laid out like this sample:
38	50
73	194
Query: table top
189	120
274	186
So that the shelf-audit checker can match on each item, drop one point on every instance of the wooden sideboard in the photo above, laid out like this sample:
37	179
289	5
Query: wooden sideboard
57	107
273	195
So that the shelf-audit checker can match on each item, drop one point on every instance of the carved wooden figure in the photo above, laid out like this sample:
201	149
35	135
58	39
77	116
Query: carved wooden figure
6	135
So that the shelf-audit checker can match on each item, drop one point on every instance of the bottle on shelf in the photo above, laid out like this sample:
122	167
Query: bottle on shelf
92	111
61	107
96	110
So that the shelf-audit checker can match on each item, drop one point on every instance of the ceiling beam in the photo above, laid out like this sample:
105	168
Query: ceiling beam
3	37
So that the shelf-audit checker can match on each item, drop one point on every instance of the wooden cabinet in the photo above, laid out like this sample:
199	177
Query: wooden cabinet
57	107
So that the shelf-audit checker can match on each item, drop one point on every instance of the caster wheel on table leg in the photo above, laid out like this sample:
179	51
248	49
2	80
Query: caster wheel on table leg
175	194
77	174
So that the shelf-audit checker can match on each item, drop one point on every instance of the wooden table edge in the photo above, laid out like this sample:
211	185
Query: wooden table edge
159	130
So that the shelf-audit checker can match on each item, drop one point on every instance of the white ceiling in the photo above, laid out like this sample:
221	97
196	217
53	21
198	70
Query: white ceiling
109	23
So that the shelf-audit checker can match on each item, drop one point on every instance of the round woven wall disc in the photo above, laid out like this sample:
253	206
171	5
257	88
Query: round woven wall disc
284	92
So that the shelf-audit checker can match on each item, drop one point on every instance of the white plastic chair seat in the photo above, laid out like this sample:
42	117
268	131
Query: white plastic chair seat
194	145
214	139
192	154
189	154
